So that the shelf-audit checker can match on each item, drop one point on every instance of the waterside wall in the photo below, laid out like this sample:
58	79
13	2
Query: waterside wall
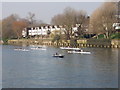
101	43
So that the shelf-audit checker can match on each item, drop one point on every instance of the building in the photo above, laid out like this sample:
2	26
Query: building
116	26
44	30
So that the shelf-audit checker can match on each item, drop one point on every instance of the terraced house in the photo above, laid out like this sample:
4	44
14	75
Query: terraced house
45	30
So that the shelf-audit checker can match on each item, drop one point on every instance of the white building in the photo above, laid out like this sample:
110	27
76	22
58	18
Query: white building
116	26
43	30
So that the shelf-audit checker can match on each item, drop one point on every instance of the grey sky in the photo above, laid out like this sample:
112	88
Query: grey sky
45	10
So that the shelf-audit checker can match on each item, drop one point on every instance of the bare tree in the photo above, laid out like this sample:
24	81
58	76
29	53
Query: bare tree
31	18
81	19
0	29
57	20
103	18
18	27
68	19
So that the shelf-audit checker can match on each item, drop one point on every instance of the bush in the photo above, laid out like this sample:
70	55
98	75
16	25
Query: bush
56	38
73	42
115	36
5	40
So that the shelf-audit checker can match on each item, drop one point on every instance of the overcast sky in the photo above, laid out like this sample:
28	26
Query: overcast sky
45	10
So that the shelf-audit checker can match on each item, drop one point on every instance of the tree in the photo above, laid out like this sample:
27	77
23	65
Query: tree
0	29
7	29
18	27
68	19
83	20
56	38
57	20
31	18
103	18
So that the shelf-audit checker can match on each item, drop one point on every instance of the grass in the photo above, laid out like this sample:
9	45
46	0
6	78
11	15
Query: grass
112	36
115	36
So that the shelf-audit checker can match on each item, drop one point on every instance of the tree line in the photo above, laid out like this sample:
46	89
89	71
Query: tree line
13	25
99	22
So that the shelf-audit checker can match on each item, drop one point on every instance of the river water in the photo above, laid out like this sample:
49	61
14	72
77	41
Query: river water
38	69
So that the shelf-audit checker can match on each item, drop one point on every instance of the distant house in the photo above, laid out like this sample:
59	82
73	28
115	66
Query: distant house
116	26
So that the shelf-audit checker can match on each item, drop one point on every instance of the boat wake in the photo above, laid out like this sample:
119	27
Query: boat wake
19	49
38	48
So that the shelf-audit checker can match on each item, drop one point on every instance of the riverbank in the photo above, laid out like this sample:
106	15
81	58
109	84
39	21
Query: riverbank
101	43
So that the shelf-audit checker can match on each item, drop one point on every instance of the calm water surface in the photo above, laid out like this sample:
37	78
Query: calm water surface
38	69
